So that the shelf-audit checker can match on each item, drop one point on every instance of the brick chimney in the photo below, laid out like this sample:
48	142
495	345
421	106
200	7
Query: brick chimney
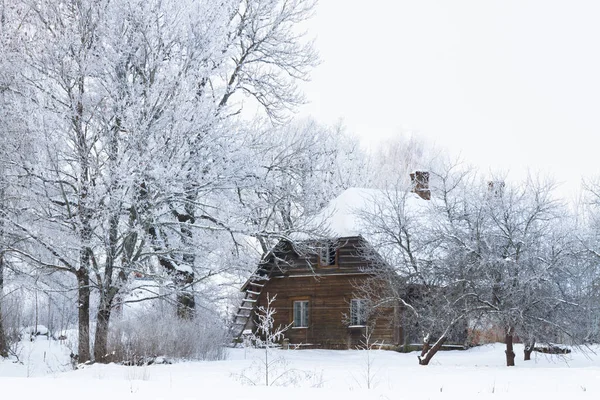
420	184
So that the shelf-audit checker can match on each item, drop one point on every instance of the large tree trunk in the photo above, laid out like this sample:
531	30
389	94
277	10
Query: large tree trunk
103	322
186	303
425	358
83	306
510	354
107	290
182	280
528	350
85	229
101	336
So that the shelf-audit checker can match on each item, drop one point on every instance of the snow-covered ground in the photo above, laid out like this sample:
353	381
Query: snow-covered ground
44	372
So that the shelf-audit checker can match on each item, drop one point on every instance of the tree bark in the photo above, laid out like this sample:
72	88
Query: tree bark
108	291
426	345
83	306
3	339
528	350
431	352
182	280
510	354
85	216
103	316
186	303
101	336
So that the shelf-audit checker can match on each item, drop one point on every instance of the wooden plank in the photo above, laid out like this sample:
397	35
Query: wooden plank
328	307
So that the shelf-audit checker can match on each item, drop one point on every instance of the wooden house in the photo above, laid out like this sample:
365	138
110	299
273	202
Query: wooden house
316	295
316	286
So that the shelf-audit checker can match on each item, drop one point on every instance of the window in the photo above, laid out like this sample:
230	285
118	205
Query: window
358	311
301	314
328	255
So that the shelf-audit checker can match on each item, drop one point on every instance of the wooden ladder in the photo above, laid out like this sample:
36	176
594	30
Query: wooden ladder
253	290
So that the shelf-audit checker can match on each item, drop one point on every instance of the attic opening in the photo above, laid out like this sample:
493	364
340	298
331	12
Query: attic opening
328	254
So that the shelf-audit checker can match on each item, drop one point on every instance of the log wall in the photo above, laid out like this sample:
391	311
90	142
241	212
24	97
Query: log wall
329	291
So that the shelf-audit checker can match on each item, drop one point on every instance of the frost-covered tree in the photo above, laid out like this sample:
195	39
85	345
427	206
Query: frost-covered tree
478	252
394	158
412	269
522	258
268	53
300	167
584	265
13	121
122	123
139	152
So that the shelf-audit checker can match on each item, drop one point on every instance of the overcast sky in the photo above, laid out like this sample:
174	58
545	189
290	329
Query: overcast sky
509	84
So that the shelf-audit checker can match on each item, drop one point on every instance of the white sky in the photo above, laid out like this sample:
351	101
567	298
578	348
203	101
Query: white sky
509	84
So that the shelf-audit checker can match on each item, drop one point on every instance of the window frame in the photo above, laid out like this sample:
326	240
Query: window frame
359	315
304	310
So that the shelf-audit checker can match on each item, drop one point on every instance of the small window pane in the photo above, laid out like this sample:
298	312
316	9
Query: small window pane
297	314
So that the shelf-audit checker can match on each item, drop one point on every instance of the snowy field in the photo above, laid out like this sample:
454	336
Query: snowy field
44	372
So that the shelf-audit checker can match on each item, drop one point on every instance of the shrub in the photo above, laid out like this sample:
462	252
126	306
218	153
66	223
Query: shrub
150	333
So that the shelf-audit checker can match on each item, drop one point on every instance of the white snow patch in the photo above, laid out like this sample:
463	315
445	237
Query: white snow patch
471	374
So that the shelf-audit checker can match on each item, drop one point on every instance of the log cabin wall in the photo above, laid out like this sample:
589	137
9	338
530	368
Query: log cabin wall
329	291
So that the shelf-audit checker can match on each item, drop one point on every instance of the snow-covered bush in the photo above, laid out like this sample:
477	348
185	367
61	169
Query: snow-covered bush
153	334
39	303
12	317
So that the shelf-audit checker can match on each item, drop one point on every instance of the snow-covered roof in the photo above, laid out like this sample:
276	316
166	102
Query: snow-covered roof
346	214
